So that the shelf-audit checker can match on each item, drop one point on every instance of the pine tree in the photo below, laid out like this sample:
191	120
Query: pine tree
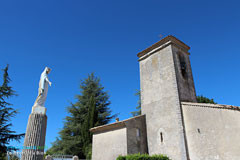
138	112
90	110
6	113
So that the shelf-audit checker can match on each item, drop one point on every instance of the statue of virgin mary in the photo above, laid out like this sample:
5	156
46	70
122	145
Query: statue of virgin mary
43	88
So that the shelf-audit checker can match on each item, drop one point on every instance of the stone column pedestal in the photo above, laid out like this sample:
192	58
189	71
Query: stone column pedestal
34	141
75	158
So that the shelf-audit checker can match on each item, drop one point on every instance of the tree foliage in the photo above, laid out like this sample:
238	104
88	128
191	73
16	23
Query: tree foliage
6	113
90	110
138	111
202	99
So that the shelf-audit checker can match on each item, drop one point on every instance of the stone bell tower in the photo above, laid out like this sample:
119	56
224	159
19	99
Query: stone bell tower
166	80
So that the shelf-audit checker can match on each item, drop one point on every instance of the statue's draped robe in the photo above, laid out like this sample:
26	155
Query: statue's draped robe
43	86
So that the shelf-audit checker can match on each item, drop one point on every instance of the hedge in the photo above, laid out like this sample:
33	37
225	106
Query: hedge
143	157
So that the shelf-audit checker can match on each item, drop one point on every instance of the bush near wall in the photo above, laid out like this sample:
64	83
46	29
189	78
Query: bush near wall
143	157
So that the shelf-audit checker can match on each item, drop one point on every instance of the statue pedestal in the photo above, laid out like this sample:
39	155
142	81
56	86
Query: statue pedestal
34	141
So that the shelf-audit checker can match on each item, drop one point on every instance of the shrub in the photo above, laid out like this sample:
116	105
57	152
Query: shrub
143	157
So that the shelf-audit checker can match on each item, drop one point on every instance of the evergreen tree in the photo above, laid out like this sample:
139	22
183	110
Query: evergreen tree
138	112
90	110
89	123
6	113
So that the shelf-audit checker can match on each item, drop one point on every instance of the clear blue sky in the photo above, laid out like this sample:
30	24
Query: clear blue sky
77	37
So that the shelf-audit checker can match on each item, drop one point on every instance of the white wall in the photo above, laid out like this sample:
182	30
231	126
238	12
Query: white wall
219	137
109	145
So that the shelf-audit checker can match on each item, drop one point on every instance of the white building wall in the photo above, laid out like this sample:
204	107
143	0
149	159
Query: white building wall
109	145
213	133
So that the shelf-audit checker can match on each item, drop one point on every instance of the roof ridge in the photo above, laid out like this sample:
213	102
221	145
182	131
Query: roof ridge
161	42
209	105
119	123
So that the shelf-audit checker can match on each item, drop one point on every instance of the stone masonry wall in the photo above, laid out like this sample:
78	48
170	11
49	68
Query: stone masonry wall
185	81
161	105
136	135
212	131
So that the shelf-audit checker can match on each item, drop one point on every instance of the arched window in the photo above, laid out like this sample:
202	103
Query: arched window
183	66
161	137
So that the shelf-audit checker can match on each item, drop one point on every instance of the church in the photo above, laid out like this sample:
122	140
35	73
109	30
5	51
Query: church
172	122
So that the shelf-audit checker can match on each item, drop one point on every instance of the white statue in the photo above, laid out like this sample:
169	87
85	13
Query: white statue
43	88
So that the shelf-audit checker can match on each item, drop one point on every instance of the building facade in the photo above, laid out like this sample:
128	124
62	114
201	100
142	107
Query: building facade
172	122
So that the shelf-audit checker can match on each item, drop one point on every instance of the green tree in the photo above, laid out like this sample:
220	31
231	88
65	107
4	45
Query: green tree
90	110
138	112
6	113
202	99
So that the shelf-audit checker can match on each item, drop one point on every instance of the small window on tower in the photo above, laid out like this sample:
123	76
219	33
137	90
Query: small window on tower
161	137
138	134
198	130
183	66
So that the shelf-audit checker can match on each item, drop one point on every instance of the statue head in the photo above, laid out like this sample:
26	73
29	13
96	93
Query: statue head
48	70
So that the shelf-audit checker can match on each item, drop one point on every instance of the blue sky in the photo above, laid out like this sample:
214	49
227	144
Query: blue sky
77	37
